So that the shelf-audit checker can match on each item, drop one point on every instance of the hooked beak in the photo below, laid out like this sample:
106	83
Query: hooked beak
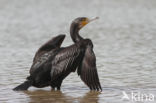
83	23
93	19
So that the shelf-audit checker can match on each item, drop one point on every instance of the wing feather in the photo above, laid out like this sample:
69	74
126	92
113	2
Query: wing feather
53	43
66	61
88	71
45	53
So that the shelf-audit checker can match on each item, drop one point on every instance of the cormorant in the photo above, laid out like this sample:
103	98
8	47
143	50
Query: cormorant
53	63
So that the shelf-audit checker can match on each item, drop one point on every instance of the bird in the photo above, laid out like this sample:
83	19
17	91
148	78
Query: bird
53	63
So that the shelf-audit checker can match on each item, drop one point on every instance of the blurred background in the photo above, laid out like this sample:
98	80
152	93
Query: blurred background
124	43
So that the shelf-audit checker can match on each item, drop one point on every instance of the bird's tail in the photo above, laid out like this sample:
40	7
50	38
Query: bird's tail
23	86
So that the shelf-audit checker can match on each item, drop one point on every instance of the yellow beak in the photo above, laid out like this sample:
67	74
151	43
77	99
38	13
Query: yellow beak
83	23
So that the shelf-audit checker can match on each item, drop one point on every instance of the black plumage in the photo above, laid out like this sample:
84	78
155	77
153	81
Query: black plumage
41	66
52	63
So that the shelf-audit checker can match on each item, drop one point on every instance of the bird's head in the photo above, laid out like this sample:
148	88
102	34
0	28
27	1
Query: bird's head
80	22
76	25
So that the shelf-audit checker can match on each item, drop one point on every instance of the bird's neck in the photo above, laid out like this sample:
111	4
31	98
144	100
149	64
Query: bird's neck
74	33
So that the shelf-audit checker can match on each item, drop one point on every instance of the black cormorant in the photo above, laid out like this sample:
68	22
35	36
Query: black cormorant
53	63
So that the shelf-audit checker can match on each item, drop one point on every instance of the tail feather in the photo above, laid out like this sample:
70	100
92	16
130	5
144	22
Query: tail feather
23	86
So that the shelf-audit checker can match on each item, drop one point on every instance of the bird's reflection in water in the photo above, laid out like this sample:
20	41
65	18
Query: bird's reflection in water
90	97
42	96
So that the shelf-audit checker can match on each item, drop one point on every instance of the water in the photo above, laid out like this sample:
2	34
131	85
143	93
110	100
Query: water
124	43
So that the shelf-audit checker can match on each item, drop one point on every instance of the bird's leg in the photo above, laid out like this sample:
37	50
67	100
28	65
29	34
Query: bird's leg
52	87
59	85
58	88
56	84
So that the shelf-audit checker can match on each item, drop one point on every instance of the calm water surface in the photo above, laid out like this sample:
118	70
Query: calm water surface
124	43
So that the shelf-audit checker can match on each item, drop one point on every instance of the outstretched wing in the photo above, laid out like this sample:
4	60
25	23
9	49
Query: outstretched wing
66	61
88	71
49	45
45	53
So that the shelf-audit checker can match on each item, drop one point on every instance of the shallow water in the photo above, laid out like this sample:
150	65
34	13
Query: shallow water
124	43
